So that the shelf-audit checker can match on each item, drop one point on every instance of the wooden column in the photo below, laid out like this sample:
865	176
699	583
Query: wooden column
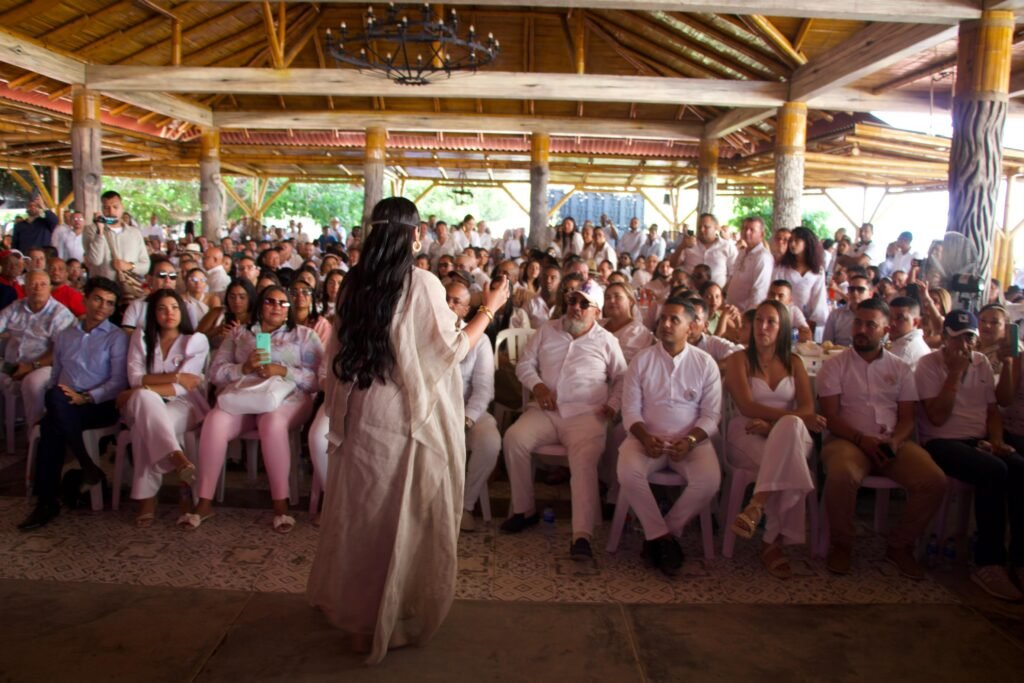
540	151
980	102
707	175
211	187
373	171
86	151
790	144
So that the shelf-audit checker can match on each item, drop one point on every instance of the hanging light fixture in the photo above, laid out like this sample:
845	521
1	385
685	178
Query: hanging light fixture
412	51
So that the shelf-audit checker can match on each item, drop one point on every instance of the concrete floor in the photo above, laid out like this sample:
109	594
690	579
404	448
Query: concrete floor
94	632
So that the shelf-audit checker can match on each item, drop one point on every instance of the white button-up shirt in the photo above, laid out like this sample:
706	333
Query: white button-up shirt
67	243
538	311
911	347
478	378
633	337
630	242
27	335
578	371
299	350
655	248
976	392
869	393
718	347
751	278
671	395
719	256
839	327
809	292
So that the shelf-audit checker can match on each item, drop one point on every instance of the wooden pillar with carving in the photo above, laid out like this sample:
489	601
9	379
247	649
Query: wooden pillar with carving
707	175
980	103
540	172
86	150
211	188
790	144
373	171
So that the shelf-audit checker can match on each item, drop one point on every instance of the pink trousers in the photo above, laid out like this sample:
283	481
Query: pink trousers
220	428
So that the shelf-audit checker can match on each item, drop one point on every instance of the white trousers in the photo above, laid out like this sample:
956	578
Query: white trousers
33	393
583	437
483	442
699	468
607	470
157	429
318	444
781	464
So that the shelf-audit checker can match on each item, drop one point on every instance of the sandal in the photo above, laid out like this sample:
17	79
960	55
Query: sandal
774	560
187	472
746	522
191	520
144	520
283	523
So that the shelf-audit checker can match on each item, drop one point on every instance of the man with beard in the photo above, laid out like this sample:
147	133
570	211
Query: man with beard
868	396
570	365
671	405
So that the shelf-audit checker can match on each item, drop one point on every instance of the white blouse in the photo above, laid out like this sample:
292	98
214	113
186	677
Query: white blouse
298	349
187	354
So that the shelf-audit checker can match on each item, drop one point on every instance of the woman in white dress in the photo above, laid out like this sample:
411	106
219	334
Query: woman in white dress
167	397
386	564
803	266
771	434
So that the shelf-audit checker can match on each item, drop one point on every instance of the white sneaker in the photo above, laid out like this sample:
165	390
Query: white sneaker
995	581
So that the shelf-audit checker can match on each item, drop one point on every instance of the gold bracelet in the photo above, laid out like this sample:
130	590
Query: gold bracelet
486	311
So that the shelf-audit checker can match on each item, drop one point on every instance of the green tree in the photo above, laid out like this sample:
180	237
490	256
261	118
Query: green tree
763	206
448	204
173	201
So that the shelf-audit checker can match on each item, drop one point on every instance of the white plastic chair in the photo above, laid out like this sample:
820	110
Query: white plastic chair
882	486
91	438
512	340
251	439
739	480
666	477
962	493
191	448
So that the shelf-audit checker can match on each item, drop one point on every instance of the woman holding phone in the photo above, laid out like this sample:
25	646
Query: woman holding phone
273	346
386	564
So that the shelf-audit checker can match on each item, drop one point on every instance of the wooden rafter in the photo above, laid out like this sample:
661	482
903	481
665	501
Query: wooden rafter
776	39
766	59
274	44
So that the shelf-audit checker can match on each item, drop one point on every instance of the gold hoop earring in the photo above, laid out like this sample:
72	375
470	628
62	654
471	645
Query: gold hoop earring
416	246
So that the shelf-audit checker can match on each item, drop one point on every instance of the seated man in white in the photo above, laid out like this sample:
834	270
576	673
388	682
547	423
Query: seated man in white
28	329
161	275
482	438
671	404
569	364
906	338
720	348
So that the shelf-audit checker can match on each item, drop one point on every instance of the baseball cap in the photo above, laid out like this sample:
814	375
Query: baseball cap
960	322
906	236
593	293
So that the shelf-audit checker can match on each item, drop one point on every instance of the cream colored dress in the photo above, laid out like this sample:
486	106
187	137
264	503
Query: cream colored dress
386	562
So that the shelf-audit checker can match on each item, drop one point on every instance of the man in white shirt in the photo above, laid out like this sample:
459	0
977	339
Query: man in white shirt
512	247
654	246
480	238
216	277
467	261
67	239
671	405
752	274
482	439
718	253
132	255
868	397
902	258
570	365
631	242
154	229
960	425
289	259
866	246
839	326
444	245
782	291
905	334
717	347
540	306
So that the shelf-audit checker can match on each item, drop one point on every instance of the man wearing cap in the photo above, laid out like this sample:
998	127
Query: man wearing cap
37	229
671	405
868	397
569	365
960	425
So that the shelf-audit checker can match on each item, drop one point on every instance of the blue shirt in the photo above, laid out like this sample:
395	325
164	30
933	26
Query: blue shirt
94	361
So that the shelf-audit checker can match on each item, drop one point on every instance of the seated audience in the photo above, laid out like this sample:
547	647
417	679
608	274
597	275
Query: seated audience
236	311
906	338
62	291
161	275
839	327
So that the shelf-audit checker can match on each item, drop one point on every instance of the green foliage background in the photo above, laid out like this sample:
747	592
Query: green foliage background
763	206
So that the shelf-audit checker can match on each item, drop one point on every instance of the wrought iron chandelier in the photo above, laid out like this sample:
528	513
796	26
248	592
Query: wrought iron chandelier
412	51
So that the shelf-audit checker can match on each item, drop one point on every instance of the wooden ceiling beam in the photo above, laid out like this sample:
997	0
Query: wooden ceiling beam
735	120
765	59
60	33
188	33
872	48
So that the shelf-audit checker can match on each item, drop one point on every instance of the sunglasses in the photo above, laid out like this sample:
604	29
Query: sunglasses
277	303
860	290
166	276
196	280
580	301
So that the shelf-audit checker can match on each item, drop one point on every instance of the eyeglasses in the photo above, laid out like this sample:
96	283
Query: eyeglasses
196	280
277	303
859	290
166	276
300	291
580	301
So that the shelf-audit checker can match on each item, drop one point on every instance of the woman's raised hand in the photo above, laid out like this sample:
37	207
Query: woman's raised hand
497	294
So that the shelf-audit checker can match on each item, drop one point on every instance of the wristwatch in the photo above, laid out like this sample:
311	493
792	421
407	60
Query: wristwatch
692	440
36	365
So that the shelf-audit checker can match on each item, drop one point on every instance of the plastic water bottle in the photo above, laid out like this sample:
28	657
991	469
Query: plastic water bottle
949	554
796	337
931	552
548	519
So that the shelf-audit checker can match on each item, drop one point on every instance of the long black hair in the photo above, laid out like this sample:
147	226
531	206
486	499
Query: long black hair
151	332
813	251
369	294
250	291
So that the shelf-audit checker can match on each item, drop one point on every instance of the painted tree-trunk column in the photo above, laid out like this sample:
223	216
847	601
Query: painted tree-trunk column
707	175
86	150
980	102
790	144
211	188
373	171
540	151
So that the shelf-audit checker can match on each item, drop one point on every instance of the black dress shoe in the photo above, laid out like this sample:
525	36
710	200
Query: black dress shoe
39	517
518	522
580	550
651	553
671	556
90	477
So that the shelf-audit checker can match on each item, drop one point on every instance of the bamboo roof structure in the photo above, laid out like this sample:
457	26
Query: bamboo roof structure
625	88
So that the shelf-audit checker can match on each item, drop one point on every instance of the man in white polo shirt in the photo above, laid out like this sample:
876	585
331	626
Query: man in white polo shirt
868	397
671	405
905	334
710	249
752	274
962	428
570	365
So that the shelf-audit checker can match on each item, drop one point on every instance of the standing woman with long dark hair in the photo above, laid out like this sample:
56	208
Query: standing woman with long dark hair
803	266
386	564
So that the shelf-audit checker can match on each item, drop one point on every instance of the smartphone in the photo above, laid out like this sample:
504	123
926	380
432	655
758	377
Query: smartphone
887	451
1013	335
263	344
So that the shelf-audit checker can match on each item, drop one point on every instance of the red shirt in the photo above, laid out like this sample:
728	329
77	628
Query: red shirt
71	298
